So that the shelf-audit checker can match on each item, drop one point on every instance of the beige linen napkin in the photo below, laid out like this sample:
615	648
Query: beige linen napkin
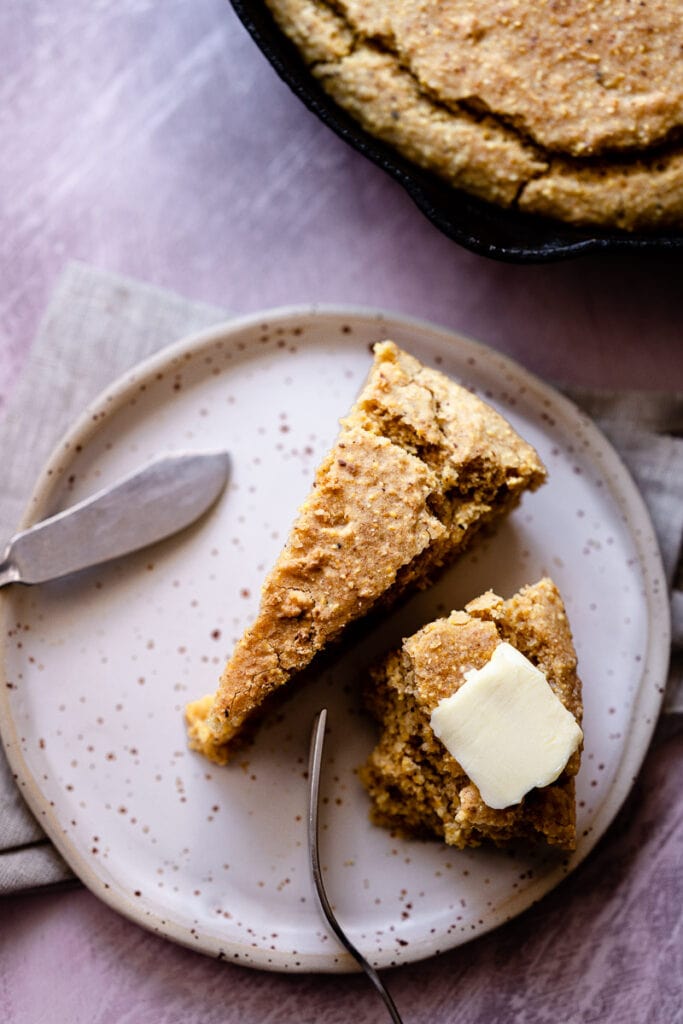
98	325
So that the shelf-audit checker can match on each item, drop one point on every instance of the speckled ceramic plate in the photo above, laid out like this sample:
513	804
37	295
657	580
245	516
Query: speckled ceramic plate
97	668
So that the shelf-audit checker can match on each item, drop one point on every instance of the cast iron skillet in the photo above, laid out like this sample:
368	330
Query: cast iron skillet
481	227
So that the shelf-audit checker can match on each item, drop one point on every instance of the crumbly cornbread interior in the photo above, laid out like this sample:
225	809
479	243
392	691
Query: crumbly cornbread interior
569	110
415	785
419	467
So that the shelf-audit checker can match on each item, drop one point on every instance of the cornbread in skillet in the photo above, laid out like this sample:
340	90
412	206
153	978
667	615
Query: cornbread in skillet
415	785
419	467
573	110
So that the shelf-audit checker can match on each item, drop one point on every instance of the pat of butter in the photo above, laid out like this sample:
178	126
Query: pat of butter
506	728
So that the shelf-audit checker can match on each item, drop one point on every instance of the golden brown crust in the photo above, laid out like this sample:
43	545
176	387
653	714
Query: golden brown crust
419	467
475	154
574	110
641	195
581	78
369	495
316	30
414	783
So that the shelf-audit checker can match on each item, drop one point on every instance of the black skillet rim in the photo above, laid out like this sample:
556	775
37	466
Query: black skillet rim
485	229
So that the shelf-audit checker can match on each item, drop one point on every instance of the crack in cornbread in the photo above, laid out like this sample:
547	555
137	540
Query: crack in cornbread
573	111
415	785
419	467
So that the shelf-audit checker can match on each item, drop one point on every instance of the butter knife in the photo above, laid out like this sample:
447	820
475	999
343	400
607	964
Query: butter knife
150	504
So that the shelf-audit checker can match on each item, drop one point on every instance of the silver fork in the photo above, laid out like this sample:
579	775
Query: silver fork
314	766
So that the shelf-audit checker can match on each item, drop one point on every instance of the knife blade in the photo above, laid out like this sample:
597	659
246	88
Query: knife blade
145	507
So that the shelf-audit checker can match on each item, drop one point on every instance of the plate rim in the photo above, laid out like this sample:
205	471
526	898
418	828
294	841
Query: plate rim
640	528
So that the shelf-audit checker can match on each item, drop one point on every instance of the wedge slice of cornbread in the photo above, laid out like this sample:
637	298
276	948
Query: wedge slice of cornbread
419	467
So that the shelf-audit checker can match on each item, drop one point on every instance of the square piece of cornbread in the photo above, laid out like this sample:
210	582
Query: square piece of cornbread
415	785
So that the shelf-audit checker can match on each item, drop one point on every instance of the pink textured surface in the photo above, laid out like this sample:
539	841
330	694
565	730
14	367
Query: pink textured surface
154	140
